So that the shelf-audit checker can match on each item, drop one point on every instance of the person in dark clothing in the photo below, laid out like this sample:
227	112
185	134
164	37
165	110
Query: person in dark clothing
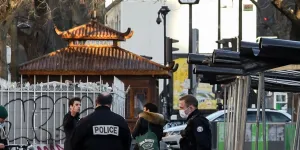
156	122
71	119
102	129
197	134
3	135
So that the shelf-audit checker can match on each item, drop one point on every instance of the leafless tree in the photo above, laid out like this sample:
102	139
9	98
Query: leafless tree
40	38
8	11
285	22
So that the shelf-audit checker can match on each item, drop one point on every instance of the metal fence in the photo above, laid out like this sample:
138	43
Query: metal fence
36	111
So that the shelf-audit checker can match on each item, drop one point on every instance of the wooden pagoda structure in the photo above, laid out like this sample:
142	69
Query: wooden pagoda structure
92	51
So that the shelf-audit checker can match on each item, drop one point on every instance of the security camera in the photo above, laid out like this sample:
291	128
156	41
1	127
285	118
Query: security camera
158	20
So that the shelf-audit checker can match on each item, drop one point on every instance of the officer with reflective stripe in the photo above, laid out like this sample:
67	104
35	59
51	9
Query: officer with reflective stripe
103	129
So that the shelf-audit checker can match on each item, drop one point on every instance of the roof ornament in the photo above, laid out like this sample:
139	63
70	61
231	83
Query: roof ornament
93	31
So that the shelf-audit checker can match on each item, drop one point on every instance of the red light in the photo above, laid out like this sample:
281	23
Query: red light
265	19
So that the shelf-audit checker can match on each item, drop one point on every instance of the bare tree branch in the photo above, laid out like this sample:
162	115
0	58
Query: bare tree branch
285	11
7	7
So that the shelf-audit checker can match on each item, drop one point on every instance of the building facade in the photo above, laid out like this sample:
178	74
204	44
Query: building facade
141	16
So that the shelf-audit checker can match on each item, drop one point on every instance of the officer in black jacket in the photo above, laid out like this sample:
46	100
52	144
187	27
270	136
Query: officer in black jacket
197	134
71	119
103	129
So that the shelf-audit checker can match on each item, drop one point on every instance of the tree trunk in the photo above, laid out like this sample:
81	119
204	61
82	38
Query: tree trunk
4	27
295	30
14	51
3	62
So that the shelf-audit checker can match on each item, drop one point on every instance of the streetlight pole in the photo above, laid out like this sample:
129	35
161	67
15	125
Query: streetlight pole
219	23
190	91
163	11
190	3
240	22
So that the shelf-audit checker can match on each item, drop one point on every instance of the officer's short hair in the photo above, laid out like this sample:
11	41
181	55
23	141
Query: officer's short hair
151	107
104	99
189	100
72	100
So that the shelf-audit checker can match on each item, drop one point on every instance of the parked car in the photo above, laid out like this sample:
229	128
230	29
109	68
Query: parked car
172	135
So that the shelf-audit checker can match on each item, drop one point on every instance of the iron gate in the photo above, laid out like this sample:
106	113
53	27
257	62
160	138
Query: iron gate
36	111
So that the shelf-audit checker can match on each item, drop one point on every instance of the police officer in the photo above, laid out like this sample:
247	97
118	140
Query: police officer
197	134
103	129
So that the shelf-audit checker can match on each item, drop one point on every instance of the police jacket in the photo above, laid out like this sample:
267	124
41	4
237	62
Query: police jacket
197	134
3	137
69	124
103	129
156	123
